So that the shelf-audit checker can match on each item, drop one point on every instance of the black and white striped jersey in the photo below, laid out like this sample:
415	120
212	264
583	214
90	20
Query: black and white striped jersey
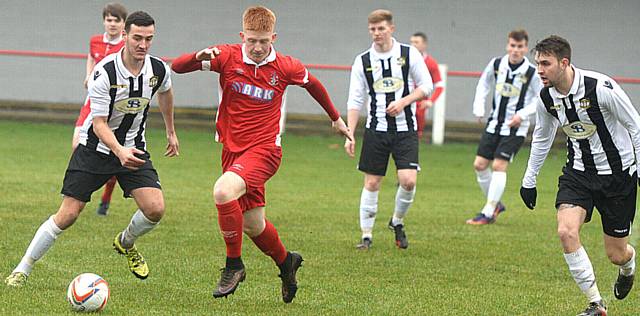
114	92
514	91
382	78
601	125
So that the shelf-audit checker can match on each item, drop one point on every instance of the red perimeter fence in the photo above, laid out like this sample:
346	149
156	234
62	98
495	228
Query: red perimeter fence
451	73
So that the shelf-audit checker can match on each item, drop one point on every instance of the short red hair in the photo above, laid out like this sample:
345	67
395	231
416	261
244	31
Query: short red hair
259	19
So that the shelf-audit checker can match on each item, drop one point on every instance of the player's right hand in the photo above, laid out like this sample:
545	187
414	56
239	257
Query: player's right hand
529	196
208	53
128	159
350	146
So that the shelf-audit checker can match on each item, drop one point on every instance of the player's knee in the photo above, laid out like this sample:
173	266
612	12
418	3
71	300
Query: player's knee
568	235
154	211
617	255
480	166
408	184
372	185
252	229
222	194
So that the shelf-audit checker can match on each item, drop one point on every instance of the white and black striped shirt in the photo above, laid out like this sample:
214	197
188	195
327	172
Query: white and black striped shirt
514	91
601	125
383	78
124	99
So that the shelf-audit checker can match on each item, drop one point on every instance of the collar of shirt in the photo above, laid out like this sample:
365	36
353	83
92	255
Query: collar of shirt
247	60
577	78
125	72
378	55
522	69
105	39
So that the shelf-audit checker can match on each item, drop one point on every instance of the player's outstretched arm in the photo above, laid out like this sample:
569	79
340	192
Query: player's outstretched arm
165	103
193	61
320	94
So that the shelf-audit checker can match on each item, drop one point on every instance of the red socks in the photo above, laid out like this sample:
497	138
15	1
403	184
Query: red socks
230	222
108	190
269	242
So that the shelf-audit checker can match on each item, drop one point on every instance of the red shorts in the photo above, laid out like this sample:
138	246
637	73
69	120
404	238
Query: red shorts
84	112
255	166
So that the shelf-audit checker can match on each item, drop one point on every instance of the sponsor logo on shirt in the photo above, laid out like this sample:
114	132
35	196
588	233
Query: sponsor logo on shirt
96	75
131	105
579	130
253	91
507	90
388	84
607	84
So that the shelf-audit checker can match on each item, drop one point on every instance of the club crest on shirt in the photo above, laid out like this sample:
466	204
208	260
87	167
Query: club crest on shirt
585	103
401	61
274	79
523	78
153	81
388	84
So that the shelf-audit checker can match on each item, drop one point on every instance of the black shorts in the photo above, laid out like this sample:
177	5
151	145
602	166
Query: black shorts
613	195
89	170
376	147
496	146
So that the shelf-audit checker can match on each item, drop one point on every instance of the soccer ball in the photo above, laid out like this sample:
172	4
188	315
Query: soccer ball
88	292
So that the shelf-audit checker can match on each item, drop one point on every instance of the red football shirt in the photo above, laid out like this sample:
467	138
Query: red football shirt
434	71
252	94
100	47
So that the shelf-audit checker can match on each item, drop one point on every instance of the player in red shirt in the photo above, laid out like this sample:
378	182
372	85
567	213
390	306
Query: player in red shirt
419	41
100	46
253	77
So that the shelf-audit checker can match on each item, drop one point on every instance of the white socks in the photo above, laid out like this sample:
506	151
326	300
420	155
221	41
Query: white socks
404	199
494	195
582	272
138	226
484	178
40	244
629	268
368	210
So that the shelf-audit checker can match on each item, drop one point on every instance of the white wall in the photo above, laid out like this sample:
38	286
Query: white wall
463	34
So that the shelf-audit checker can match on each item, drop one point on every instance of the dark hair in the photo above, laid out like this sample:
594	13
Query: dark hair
420	34
519	35
116	10
554	45
139	18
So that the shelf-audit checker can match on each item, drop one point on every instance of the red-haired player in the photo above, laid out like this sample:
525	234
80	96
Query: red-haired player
253	77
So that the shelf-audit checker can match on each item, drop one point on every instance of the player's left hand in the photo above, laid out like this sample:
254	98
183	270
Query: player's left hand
515	121
342	128
172	145
426	104
529	196
395	107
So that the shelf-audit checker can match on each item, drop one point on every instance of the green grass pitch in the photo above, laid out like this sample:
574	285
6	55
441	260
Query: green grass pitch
513	267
